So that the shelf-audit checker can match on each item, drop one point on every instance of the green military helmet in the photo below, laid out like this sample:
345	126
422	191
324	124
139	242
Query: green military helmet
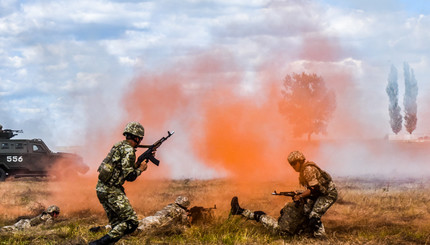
53	209
134	128
296	156
182	201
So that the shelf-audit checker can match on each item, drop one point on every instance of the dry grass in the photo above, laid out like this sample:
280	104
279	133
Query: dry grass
367	212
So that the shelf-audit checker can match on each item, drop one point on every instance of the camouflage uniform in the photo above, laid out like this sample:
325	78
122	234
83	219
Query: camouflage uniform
45	218
295	218
122	217
174	215
290	222
317	205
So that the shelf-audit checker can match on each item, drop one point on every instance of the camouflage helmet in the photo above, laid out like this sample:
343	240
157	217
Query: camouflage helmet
296	156
53	209
134	128
182	201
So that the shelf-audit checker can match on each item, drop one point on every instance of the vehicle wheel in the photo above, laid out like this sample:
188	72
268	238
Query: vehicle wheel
2	175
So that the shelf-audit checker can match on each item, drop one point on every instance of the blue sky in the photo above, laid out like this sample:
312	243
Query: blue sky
412	7
64	65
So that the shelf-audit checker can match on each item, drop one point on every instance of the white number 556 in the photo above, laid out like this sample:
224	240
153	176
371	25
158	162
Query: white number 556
14	159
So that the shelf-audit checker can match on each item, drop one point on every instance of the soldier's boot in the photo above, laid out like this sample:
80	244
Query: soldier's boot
317	227
320	233
105	240
235	208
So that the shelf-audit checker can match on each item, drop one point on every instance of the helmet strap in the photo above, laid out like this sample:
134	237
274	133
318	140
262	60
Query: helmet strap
136	139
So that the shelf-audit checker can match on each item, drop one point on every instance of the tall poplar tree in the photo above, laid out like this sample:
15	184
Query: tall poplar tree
410	99
394	108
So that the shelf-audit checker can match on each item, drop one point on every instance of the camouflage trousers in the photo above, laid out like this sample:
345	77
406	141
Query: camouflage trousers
122	217
316	208
150	223
20	225
269	222
294	220
285	225
172	218
290	222
159	225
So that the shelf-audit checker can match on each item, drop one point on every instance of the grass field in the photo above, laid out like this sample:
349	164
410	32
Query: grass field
367	212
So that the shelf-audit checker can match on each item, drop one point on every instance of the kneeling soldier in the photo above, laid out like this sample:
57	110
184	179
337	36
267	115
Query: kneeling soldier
314	202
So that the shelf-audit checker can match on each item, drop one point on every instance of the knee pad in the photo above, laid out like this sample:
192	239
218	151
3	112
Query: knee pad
258	214
131	226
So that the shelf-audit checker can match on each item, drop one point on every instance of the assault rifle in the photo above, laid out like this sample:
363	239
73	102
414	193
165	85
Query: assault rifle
201	209
148	155
290	194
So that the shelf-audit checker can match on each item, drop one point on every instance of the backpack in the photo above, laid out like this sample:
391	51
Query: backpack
292	218
105	171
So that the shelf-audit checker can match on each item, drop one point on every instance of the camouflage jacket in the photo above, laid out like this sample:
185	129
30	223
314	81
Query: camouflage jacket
312	175
123	157
170	216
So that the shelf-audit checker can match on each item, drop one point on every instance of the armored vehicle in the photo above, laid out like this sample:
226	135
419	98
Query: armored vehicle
33	158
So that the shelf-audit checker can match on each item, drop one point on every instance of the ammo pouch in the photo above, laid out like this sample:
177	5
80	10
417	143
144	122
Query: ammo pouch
105	171
107	167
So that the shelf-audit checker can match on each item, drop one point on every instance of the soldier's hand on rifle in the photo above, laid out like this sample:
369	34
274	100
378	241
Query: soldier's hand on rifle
153	152
297	198
143	166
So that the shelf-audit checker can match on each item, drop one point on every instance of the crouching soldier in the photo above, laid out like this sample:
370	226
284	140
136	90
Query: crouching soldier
308	207
45	218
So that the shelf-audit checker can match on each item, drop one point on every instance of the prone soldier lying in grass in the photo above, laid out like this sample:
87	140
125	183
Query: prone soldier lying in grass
47	217
173	218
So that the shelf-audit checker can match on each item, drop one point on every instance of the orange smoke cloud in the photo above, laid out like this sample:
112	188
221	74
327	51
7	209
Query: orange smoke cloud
229	130
243	134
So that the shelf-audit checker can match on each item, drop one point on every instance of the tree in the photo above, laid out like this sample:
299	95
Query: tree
394	108
307	104
410	99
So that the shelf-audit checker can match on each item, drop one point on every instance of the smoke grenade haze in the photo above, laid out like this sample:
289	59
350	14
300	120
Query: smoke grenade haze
224	129
224	110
